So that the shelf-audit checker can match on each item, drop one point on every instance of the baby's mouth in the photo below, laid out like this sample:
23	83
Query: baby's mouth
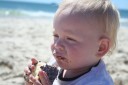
60	57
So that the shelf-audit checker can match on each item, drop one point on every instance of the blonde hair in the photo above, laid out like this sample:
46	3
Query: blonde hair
102	10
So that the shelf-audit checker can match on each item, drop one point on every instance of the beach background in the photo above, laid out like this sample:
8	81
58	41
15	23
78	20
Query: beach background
26	32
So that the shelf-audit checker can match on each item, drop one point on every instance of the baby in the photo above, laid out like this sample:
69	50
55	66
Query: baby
84	31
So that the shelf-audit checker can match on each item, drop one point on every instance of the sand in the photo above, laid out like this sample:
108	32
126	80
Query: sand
24	38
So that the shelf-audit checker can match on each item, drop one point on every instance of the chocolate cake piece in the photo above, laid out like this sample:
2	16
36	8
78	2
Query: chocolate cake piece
50	70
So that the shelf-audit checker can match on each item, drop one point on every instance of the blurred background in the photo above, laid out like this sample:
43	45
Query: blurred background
26	32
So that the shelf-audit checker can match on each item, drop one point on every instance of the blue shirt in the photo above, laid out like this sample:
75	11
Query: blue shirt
98	75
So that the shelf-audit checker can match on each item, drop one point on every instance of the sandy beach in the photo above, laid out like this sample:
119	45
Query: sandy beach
24	38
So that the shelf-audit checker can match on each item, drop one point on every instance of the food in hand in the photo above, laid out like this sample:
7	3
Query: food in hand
50	70
37	69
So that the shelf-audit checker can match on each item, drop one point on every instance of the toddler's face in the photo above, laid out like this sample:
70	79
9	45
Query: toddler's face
76	41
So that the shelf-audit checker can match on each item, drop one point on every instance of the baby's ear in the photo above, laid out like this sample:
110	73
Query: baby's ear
104	45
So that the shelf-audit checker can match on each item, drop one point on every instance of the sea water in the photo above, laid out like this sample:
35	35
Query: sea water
15	8
45	10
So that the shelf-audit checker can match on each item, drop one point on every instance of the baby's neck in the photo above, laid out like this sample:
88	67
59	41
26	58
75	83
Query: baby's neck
74	73
77	72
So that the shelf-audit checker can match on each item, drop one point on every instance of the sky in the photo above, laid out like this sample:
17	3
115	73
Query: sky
121	4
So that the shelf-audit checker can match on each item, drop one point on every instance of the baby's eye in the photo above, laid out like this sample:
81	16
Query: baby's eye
55	36
71	39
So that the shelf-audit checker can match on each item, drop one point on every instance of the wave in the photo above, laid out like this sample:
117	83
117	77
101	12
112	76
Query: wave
25	13
37	14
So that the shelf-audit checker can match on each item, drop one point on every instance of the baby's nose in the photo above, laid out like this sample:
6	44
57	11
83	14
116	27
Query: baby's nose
58	45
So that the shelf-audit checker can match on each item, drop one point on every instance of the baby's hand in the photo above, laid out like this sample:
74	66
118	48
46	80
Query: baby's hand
28	71
31	74
43	79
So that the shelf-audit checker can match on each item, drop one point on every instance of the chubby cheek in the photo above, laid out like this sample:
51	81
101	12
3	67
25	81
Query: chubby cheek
74	51
78	56
73	54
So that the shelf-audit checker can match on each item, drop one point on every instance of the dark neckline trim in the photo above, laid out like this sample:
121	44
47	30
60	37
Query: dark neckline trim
70	79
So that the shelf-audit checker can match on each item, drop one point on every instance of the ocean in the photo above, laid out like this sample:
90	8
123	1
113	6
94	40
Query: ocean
16	8
45	10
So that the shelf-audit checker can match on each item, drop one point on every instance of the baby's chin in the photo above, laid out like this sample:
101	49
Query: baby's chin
51	71
64	65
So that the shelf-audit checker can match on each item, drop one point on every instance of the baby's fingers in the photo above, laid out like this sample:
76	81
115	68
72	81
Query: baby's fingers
28	83
27	71
26	78
44	78
31	67
34	61
34	80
